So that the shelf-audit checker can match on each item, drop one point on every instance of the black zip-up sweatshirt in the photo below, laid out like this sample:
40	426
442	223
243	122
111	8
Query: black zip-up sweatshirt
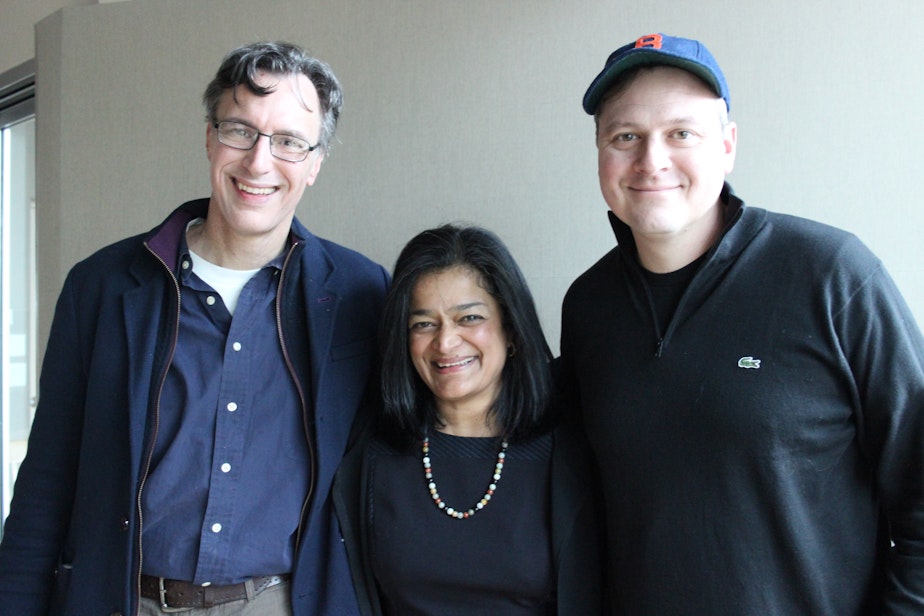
761	454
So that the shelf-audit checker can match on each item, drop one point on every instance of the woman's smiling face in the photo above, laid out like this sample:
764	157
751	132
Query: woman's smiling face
456	339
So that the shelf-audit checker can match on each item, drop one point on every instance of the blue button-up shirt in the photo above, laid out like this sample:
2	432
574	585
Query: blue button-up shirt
230	469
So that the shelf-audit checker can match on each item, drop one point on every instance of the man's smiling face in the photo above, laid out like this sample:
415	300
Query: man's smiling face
663	154
254	194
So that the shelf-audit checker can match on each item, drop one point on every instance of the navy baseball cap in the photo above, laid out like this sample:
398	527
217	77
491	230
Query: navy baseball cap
653	50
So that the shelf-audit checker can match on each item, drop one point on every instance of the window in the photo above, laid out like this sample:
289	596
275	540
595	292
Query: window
18	291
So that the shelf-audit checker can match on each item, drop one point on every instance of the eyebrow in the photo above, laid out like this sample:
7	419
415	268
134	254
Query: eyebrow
290	133
457	308
615	124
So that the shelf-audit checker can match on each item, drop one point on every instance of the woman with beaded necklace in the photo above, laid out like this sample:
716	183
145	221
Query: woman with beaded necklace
467	496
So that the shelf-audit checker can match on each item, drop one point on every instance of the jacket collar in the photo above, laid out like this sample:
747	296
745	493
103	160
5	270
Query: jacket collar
165	239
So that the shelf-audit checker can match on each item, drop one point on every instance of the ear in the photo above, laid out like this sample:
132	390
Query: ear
315	168
730	139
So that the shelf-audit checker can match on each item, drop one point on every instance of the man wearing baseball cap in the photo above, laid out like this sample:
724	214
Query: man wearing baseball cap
752	383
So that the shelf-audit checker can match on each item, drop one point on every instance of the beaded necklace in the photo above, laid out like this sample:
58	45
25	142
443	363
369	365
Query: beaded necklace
481	504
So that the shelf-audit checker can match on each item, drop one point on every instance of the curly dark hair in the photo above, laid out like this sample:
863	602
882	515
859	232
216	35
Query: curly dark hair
241	67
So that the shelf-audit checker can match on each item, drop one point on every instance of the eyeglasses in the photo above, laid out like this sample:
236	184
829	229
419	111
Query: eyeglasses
282	146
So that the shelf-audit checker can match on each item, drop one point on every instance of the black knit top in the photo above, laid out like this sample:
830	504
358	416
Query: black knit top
497	562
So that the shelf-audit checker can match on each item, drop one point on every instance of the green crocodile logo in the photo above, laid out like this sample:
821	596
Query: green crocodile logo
749	362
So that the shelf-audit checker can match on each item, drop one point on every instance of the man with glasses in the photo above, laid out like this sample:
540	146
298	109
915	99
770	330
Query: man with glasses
200	385
752	383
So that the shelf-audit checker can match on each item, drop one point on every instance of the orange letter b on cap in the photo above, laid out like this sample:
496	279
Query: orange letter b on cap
649	40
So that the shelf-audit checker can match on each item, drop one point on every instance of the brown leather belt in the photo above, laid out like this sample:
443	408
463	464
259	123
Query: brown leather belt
174	593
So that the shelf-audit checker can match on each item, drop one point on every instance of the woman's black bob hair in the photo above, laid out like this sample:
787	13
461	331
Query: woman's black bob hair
408	404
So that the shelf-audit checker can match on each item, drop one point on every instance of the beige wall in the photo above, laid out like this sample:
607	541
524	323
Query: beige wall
471	111
17	18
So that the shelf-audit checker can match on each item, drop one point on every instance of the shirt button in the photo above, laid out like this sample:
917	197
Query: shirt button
232	406
216	528
236	346
185	264
210	300
225	468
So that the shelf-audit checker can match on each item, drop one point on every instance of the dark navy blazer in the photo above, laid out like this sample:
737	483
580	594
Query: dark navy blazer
72	541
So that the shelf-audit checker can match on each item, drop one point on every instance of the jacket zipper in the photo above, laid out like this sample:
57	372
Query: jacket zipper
301	397
150	452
